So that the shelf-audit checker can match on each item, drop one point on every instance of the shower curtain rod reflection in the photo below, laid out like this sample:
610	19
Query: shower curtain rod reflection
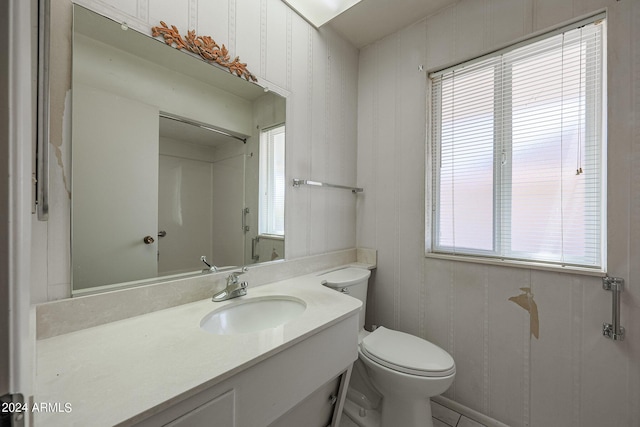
299	182
201	126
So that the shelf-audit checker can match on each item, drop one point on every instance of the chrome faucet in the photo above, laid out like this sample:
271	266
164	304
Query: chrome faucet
234	287
211	268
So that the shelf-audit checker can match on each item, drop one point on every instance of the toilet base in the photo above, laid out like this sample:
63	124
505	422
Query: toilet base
397	413
359	416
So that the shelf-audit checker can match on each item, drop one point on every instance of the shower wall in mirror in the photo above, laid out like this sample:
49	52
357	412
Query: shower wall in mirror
156	183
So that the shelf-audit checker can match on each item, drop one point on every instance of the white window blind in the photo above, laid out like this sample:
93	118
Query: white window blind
272	182
517	150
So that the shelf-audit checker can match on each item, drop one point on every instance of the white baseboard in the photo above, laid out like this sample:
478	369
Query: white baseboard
468	412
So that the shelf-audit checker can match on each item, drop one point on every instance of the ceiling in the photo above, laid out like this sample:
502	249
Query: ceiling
371	20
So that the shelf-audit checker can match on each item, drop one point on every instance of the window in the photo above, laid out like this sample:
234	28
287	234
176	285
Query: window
517	150
271	203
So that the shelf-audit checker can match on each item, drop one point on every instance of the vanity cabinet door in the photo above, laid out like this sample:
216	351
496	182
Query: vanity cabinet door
315	411
218	412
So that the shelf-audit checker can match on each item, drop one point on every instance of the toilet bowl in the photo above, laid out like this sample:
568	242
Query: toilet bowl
402	369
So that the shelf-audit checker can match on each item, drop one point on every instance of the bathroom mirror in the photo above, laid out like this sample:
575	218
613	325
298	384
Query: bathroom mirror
172	159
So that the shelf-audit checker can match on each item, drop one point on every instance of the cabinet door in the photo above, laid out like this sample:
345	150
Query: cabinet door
218	412
315	411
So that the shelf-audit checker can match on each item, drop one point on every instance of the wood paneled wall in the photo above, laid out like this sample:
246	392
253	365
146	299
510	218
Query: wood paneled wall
571	375
318	72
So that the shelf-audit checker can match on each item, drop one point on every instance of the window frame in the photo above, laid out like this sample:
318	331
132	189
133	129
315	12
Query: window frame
265	171
432	179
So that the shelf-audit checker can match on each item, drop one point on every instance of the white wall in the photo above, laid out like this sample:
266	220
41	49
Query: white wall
102	66
17	98
571	375
317	69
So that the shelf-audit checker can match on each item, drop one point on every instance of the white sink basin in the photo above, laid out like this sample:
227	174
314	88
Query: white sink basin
252	315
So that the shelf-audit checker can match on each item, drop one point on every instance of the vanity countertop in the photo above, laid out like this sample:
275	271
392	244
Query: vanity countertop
108	374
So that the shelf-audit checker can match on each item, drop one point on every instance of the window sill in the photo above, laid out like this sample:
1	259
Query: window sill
519	264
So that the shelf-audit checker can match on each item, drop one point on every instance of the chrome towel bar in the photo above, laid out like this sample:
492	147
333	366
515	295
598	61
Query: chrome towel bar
299	182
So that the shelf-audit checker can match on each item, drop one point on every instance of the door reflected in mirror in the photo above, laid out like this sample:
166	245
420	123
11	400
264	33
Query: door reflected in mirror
155	183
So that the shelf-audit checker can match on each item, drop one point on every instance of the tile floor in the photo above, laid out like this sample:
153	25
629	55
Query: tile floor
445	417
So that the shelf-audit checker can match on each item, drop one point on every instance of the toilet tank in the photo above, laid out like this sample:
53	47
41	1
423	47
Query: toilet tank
353	281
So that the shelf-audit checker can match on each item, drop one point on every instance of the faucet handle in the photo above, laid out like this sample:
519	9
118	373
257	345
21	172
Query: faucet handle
237	273
212	267
232	279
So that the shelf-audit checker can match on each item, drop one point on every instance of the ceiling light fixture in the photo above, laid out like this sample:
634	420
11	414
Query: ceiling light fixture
319	12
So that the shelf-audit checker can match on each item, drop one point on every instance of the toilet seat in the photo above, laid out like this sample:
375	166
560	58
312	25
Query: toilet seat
407	353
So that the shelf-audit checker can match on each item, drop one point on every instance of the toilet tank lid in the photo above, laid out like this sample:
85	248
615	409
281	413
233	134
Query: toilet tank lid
407	353
345	277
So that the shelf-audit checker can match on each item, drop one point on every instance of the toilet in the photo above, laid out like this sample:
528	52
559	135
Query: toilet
396	373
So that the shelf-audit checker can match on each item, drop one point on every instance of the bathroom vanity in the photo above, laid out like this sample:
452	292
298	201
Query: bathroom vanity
162	368
138	356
